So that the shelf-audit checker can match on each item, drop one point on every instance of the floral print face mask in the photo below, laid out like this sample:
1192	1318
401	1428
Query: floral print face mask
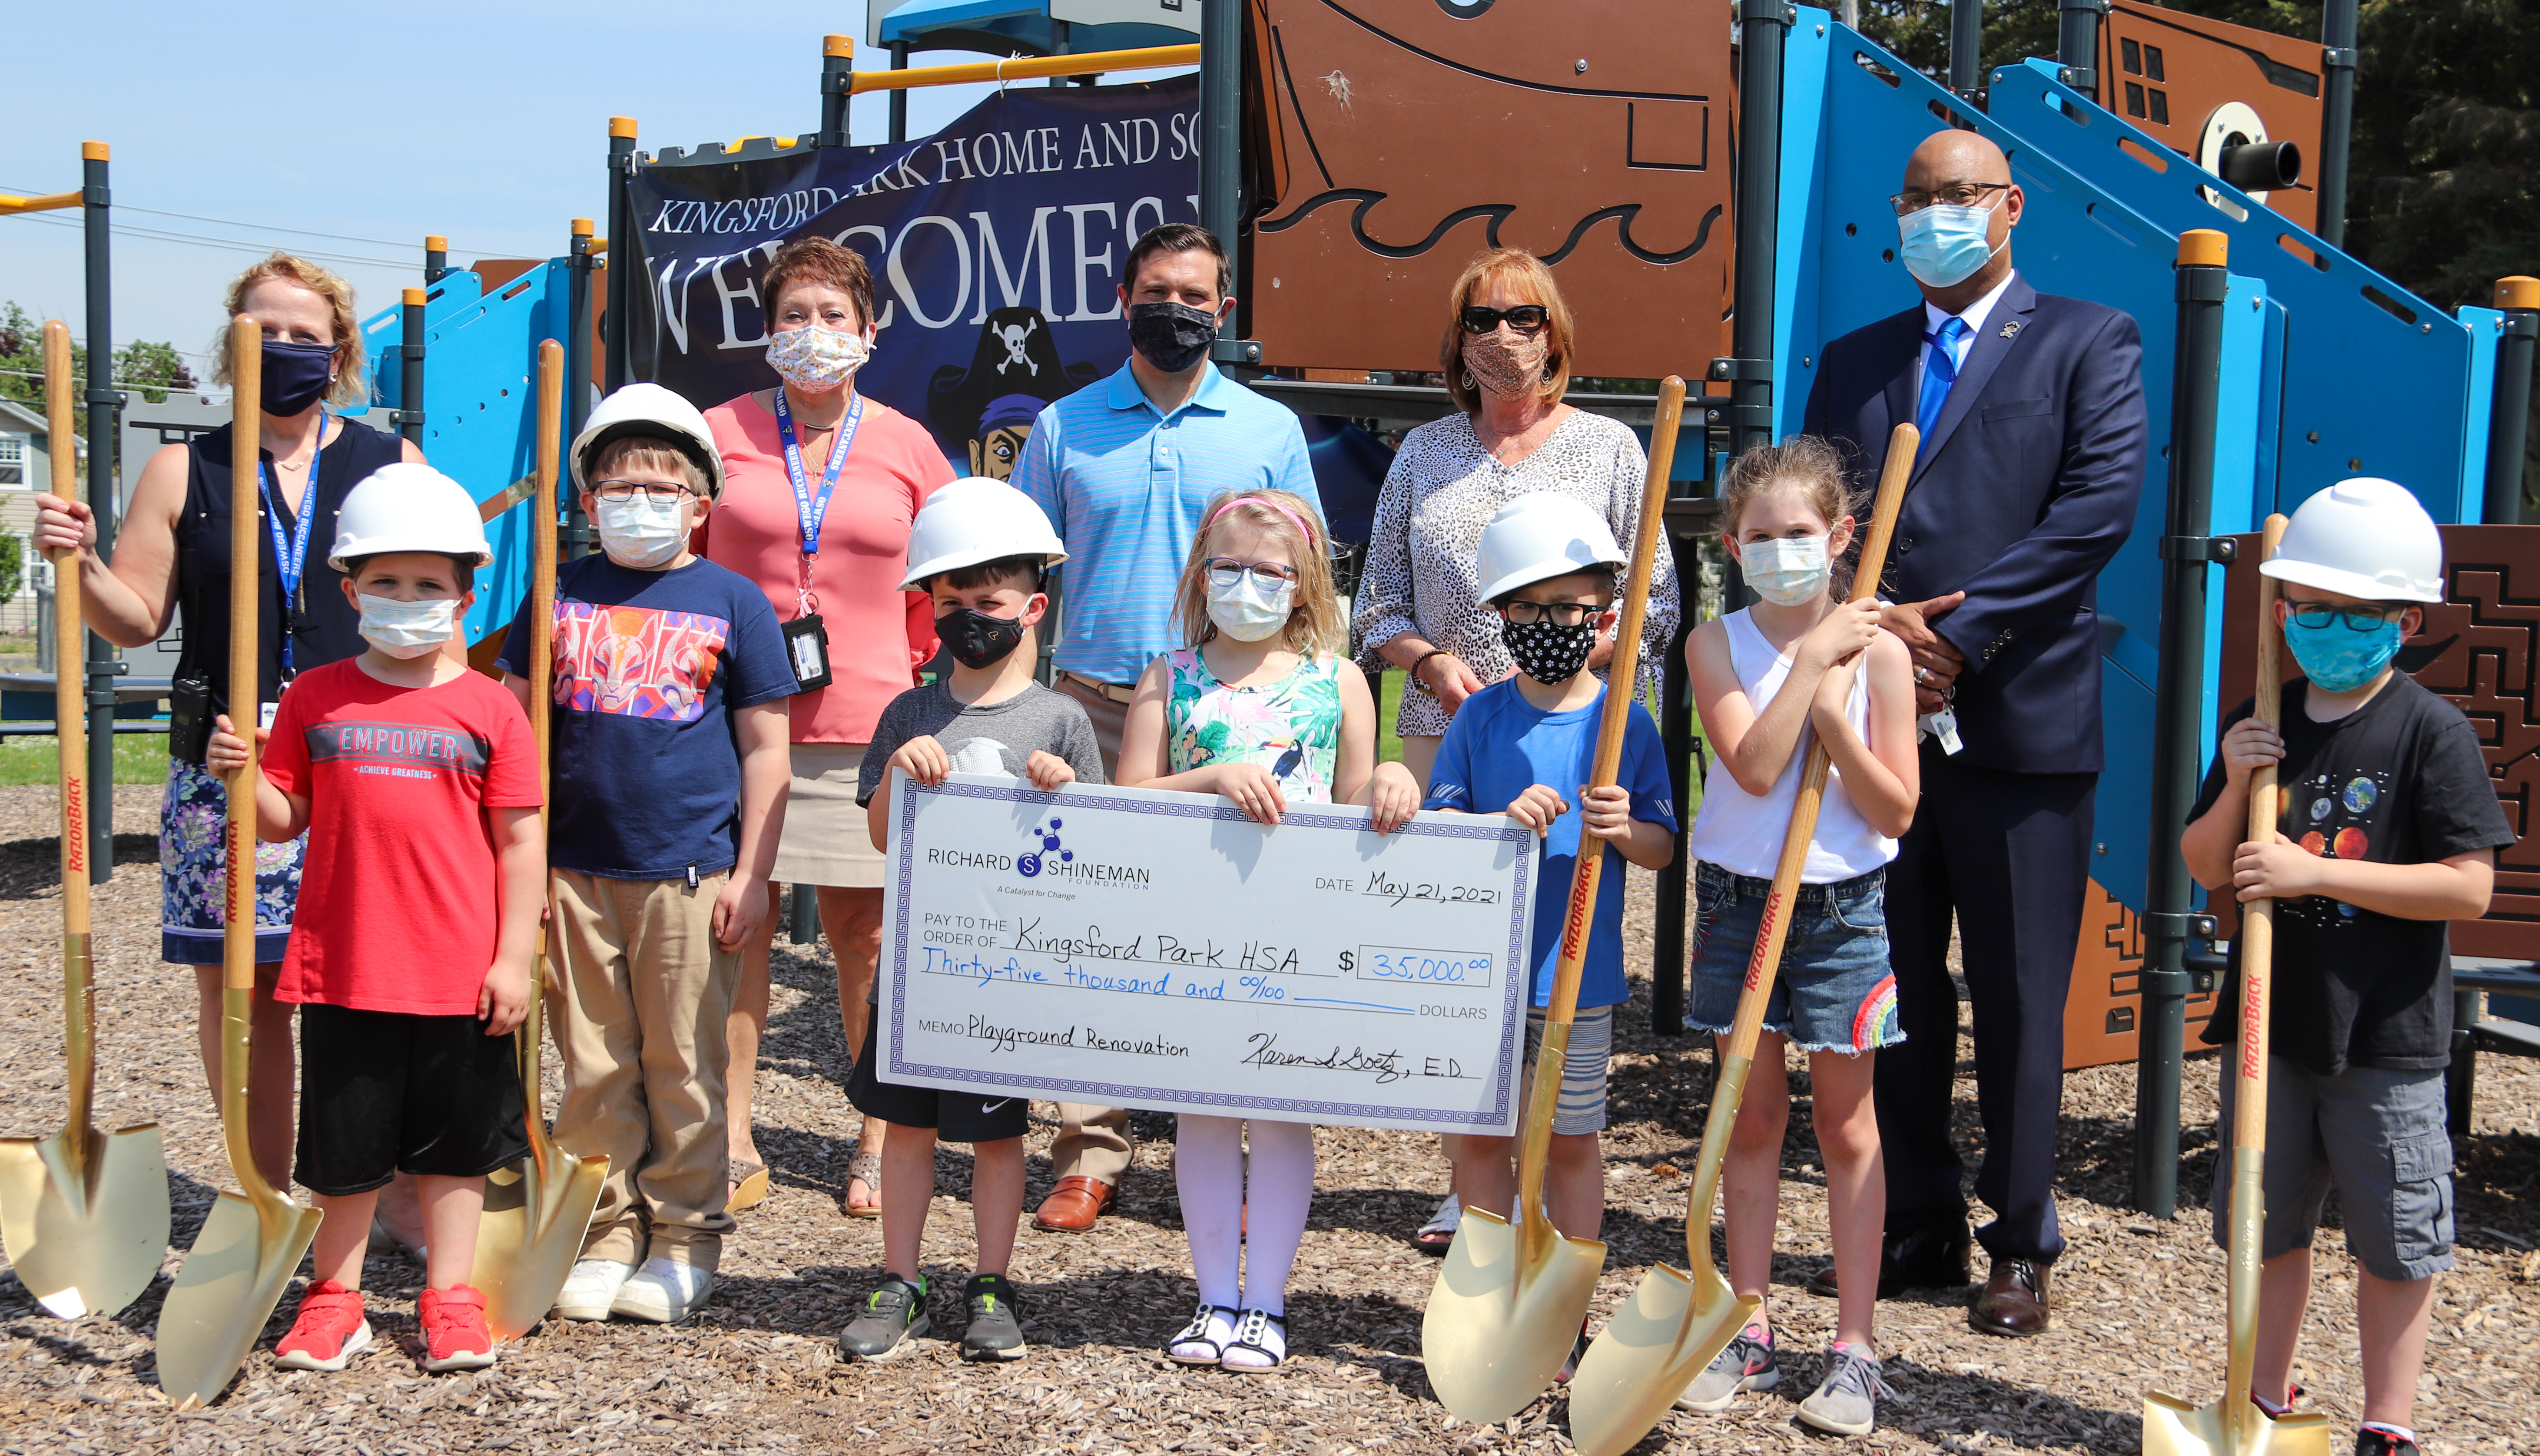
817	358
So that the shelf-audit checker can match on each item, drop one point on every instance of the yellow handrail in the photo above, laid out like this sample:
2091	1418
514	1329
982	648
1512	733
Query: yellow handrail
49	203
1029	68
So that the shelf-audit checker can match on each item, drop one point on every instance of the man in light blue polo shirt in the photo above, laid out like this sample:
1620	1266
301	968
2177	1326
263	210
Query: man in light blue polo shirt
1125	467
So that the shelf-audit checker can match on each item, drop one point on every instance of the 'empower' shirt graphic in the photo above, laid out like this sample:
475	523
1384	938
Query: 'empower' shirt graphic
397	750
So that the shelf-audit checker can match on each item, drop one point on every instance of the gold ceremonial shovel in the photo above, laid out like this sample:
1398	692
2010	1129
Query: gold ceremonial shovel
1511	1298
84	1215
2236	1425
1677	1321
254	1240
537	1212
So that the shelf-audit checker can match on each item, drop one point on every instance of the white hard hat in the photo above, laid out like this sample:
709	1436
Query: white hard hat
408	506
1542	535
2363	537
974	520
649	409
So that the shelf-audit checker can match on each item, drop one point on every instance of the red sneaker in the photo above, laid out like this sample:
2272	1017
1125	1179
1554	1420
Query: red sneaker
328	1331
455	1336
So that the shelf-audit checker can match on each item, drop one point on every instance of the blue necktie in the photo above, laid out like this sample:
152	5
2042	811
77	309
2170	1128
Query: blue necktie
1939	371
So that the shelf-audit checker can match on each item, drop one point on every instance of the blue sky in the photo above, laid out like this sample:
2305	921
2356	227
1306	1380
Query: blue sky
484	122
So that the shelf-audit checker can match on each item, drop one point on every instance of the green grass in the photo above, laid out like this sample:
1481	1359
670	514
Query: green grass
139	758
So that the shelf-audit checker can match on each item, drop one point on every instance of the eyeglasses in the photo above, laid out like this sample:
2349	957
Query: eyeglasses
1558	613
659	492
1526	318
1226	571
1955	194
2317	615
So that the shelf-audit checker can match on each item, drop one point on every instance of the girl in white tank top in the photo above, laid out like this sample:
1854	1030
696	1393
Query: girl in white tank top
1799	667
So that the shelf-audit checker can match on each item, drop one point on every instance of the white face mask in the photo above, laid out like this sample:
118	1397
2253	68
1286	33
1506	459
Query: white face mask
1245	612
408	629
1788	570
638	534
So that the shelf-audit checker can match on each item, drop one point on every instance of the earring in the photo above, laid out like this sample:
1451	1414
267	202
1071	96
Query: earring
1468	380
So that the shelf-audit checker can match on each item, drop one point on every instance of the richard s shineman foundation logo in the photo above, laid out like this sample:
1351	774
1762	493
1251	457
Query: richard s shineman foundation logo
1047	858
1029	865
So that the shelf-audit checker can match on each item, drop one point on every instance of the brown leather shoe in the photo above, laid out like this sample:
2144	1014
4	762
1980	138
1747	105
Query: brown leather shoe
1074	1205
2014	1301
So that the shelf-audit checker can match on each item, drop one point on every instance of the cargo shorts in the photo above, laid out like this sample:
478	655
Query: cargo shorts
2376	1135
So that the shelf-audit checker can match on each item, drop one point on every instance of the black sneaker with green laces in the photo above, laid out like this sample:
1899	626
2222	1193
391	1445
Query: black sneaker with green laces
894	1315
996	1330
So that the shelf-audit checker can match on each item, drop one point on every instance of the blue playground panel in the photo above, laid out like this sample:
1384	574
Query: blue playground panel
480	404
2101	224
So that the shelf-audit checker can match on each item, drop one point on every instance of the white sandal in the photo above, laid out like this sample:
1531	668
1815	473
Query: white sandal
1437	1235
1261	1333
1212	1326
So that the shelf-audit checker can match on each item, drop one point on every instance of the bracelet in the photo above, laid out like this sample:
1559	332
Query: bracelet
1423	660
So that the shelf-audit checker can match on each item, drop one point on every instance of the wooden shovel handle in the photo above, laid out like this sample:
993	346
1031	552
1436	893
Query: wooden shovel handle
2258	917
1621	676
1775	929
529	1036
246	691
1535	1147
70	731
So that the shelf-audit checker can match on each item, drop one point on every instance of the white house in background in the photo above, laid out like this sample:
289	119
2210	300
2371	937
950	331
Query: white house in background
25	467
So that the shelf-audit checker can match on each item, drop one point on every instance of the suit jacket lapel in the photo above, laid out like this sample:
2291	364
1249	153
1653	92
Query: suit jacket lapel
1900	388
1984	355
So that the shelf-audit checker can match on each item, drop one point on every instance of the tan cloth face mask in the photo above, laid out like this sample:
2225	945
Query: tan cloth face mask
1503	366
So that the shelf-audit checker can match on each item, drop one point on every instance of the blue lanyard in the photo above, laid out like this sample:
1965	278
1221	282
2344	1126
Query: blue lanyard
808	511
291	559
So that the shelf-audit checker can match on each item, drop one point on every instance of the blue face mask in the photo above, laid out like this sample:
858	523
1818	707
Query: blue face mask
1944	244
2336	658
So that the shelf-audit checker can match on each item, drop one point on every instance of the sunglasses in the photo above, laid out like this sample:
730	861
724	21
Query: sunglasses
1528	320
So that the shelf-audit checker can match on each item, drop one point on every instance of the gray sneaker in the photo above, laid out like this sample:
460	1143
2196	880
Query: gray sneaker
1747	1364
1846	1402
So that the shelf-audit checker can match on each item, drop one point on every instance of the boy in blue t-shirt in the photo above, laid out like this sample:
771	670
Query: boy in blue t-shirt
671	764
1549	565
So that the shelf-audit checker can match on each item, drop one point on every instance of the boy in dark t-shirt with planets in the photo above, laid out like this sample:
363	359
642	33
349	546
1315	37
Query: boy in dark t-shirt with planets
2387	828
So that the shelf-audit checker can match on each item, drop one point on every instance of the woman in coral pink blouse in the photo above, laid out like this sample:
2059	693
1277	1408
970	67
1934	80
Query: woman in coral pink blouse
823	528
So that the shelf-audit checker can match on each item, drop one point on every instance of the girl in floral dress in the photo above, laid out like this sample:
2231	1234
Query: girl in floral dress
1262	708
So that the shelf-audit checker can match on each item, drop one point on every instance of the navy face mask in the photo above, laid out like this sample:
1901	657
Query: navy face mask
1170	336
296	375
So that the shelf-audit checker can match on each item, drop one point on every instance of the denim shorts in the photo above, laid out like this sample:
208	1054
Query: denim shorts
2378	1136
1835	992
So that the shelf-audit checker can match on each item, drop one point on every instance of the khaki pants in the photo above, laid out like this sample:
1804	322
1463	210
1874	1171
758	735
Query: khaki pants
1093	1140
637	994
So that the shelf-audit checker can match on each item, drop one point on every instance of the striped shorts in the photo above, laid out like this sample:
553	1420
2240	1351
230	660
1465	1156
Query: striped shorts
1582	1109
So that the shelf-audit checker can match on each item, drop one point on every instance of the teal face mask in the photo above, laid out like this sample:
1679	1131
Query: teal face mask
1944	244
2336	657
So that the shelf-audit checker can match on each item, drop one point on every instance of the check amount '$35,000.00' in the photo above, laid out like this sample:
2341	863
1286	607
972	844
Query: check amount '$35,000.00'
1137	949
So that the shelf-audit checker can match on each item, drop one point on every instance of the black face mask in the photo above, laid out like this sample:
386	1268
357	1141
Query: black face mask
1172	336
296	375
1547	652
977	640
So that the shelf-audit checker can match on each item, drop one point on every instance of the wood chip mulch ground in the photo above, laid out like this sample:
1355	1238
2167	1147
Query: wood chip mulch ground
2138	1302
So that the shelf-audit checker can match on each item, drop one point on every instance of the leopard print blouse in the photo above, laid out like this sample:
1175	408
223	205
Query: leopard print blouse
1422	562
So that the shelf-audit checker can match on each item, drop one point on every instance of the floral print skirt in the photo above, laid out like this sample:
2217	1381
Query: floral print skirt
194	883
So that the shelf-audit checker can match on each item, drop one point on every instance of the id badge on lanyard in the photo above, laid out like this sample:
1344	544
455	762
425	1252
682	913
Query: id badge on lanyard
806	640
290	560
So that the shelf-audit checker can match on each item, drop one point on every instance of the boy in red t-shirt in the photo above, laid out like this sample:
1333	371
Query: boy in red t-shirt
417	781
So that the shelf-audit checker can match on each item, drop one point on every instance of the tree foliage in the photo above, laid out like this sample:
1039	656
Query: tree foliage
141	364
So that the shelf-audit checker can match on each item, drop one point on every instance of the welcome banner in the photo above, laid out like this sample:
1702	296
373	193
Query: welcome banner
995	246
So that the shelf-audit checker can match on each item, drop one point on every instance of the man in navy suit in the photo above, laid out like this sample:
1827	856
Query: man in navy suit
2031	410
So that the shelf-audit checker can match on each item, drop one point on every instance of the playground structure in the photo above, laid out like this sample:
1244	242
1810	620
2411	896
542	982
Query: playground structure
2274	364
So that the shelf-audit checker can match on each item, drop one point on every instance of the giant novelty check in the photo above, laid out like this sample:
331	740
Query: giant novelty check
1137	949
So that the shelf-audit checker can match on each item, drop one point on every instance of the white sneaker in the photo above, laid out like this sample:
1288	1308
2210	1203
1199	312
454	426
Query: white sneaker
663	1292
590	1289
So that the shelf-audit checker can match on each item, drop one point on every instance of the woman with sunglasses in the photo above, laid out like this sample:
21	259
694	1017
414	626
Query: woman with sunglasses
1507	356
